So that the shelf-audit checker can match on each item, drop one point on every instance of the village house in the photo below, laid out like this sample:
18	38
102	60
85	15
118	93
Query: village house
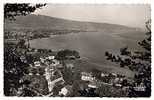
92	85
65	91
37	63
113	79
30	74
53	76
87	76
23	59
51	57
70	57
118	85
42	60
52	83
114	75
37	74
55	62
103	74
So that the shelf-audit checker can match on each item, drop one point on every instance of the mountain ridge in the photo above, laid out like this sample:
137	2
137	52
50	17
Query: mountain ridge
52	23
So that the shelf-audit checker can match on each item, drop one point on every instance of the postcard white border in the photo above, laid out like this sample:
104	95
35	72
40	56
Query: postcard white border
2	97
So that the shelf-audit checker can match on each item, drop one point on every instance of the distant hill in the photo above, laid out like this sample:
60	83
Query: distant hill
35	22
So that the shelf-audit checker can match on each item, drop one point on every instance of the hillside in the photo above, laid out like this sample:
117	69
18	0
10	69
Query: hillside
35	22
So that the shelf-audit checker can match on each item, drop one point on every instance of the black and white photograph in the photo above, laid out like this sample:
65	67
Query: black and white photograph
77	50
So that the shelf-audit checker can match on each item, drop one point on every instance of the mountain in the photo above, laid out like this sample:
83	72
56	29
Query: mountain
36	22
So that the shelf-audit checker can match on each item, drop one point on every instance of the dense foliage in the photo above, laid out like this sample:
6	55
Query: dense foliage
67	54
138	61
13	10
14	67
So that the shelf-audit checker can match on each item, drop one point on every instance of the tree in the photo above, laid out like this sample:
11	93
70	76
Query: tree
14	68
139	61
23	9
21	43
67	54
96	73
68	75
88	93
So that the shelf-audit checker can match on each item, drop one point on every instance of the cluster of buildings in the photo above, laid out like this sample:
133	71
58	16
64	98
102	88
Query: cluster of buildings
49	68
14	34
108	79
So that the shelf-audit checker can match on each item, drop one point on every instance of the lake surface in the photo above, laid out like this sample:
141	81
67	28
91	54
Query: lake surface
90	45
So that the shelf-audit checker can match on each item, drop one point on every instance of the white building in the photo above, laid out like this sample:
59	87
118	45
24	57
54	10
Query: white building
65	90
51	57
118	85
103	74
87	76
42	60
115	75
23	59
55	62
51	83
37	74
30	74
37	63
92	85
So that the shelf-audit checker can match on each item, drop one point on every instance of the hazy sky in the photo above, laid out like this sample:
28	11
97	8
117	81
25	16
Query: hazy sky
129	15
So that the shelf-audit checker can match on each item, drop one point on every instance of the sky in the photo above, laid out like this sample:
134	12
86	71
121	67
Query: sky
129	15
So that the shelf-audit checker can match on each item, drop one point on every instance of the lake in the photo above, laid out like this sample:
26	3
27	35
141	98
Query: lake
90	45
